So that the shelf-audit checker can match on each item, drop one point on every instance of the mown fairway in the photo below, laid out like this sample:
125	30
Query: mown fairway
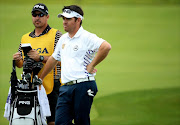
139	82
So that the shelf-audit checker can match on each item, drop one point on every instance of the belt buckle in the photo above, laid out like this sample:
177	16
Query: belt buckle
69	83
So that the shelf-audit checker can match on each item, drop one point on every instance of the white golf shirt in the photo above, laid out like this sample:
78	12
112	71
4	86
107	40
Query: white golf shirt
76	53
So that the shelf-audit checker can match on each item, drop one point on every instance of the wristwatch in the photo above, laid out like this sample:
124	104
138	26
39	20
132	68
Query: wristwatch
41	58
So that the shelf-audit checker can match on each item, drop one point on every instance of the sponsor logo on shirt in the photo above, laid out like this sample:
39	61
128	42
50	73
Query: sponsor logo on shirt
63	45
75	48
40	50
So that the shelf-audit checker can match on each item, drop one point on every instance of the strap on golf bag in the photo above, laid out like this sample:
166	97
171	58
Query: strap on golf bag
13	81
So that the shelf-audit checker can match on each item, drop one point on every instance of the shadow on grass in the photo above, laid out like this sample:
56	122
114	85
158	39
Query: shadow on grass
146	107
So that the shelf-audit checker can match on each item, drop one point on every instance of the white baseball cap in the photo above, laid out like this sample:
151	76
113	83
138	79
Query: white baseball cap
70	14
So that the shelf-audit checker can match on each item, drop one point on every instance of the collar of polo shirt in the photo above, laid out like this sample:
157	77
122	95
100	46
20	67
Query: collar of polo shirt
78	33
70	14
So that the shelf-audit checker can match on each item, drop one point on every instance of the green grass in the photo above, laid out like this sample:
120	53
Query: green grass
145	56
146	107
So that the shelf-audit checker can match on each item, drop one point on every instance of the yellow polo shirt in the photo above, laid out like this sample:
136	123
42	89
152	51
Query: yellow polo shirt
44	45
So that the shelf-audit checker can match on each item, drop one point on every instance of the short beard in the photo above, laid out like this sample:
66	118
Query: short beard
38	26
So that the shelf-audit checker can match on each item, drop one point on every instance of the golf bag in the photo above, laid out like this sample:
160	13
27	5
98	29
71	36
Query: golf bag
25	108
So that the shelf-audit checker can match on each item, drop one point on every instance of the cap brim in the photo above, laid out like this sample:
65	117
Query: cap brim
65	15
38	10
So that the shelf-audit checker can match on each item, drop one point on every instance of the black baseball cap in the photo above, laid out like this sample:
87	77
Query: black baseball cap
40	7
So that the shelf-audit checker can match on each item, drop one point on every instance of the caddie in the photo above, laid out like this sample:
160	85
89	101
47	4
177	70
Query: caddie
43	40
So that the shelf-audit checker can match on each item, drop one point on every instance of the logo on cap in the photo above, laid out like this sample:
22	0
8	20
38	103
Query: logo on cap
39	6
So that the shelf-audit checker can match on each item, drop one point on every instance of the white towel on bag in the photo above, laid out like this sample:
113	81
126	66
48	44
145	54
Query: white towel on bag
44	104
8	105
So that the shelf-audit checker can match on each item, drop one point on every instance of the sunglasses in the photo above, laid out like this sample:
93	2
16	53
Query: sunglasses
39	15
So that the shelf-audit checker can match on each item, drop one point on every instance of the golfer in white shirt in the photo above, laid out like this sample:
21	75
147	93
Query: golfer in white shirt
76	50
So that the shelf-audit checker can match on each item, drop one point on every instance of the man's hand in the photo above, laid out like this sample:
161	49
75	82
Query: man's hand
91	69
18	59
17	56
33	54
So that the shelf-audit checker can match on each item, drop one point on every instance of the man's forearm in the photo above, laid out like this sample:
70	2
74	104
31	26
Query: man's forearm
45	59
50	64
101	54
